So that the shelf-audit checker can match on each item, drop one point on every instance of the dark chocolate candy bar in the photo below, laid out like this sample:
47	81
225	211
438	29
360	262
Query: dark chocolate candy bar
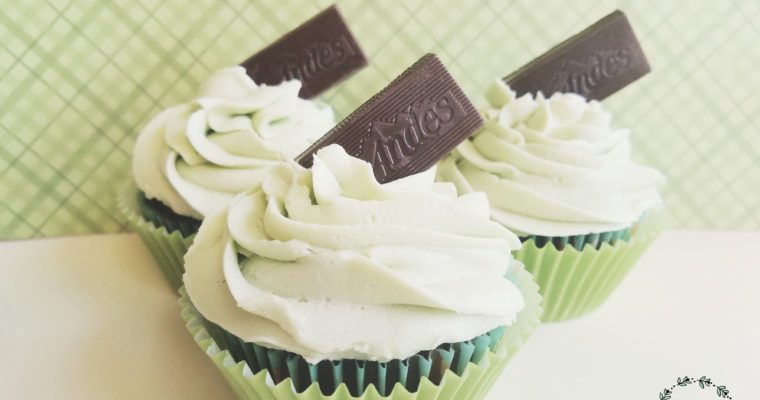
319	53
408	126
595	63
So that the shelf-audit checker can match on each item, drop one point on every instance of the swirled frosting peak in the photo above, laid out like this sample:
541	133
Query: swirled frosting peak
329	264
195	157
553	167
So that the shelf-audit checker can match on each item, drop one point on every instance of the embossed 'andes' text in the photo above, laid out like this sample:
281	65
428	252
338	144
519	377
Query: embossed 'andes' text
583	76
315	59
390	146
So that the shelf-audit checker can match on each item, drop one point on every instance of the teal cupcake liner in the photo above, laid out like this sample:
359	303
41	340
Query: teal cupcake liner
578	242
575	280
460	370
162	216
167	247
356	375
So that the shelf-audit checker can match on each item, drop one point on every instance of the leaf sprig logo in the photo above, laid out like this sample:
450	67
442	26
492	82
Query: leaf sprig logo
704	383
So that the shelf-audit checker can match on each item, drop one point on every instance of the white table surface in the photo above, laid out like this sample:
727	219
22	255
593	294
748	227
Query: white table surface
91	318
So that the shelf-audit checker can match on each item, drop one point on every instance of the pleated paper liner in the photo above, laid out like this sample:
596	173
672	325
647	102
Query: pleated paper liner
168	246
463	370
161	215
575	282
578	242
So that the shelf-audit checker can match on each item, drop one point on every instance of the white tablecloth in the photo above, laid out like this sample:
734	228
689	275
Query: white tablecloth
91	318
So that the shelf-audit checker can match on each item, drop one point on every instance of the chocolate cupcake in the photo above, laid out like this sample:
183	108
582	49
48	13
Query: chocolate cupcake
192	159
324	283
558	174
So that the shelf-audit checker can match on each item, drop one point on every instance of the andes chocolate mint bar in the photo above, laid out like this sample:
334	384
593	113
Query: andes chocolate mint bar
408	126
595	63
319	53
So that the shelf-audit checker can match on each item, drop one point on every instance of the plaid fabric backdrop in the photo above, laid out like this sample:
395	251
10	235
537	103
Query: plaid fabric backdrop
78	79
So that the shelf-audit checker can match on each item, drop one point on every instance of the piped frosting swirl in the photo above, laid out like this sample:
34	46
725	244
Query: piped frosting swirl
195	157
329	264
553	167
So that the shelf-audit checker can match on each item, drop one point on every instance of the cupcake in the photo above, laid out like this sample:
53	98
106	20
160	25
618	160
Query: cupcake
193	158
324	283
559	174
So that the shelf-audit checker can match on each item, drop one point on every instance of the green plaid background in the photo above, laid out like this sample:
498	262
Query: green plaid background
78	79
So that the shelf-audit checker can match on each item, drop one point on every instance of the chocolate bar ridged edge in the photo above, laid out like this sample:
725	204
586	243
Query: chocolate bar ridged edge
641	69
306	158
471	120
332	10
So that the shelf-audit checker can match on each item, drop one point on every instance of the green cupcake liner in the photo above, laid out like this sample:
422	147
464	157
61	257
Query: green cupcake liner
575	282
464	370
357	375
168	248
